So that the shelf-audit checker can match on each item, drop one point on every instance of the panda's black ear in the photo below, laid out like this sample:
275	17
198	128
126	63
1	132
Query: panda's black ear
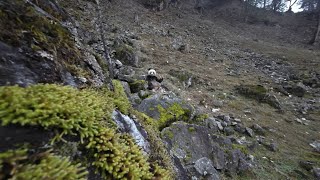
149	69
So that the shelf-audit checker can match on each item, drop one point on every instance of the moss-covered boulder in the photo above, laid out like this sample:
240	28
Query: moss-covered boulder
166	109
82	115
138	85
196	148
127	55
259	93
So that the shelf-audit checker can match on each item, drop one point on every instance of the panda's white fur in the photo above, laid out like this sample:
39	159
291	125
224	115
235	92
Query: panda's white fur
152	72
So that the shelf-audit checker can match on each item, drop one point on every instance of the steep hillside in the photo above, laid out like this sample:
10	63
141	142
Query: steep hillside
241	99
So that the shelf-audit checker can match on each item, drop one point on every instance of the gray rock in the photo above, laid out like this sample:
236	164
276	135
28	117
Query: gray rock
249	131
272	146
205	167
258	129
240	128
298	89
150	105
127	55
237	120
143	94
229	131
217	103
316	146
219	157
197	145
316	172
211	123
126	88
18	68
135	99
219	125
95	69
307	165
237	163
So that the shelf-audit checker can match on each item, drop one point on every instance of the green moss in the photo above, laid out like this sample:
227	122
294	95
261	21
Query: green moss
242	148
257	92
53	106
22	25
120	98
191	129
158	151
137	85
120	157
17	164
182	76
77	70
172	114
123	51
103	64
85	113
169	134
200	117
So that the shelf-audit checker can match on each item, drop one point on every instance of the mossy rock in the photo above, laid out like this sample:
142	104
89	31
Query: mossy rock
166	109
85	113
126	55
260	94
137	86
25	27
257	92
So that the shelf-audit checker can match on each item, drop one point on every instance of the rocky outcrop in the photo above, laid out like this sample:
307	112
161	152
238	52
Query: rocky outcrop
184	142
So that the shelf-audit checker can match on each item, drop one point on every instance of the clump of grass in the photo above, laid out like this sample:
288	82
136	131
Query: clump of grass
17	164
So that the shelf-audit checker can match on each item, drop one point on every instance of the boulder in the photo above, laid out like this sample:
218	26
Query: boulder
199	153
205	167
316	146
126	55
166	108
298	89
316	172
138	85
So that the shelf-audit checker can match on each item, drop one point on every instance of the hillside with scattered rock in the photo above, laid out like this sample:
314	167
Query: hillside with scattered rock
240	98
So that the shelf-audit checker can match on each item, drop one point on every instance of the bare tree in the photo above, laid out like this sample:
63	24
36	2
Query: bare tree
317	31
106	51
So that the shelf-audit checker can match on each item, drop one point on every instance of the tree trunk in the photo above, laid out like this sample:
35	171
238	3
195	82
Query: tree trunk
316	33
106	52
264	4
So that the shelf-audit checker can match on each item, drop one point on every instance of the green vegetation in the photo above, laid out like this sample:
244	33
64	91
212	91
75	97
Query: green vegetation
86	113
157	147
168	134
242	148
123	51
22	25
137	85
257	92
200	118
117	156
191	129
54	106
172	114
17	164
120	98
